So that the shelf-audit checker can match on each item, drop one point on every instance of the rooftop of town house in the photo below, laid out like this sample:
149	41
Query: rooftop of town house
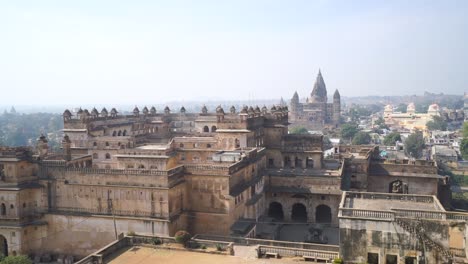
389	201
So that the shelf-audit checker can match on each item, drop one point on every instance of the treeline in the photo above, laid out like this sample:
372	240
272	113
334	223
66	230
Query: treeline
24	129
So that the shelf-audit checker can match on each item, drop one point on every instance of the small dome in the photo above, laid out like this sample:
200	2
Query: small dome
182	110
167	110
257	109
114	111
145	110
80	111
244	109
136	110
388	108
94	112
204	109
232	110
219	110
273	109
67	113
153	110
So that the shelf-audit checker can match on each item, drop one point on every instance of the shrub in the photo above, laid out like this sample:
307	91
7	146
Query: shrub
337	261
182	237
203	247
219	247
131	233
16	260
156	241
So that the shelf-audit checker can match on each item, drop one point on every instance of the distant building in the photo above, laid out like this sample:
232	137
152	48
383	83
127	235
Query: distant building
316	112
410	120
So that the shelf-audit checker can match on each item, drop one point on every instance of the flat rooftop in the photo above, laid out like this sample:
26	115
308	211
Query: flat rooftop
387	202
146	255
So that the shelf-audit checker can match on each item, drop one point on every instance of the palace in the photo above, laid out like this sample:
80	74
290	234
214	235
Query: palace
218	173
316	112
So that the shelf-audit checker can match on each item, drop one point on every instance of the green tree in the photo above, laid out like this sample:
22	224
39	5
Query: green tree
380	123
348	131
361	138
464	148
414	145
465	129
437	123
299	130
392	138
16	260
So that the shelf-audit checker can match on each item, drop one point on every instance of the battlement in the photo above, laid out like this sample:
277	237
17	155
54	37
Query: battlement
18	153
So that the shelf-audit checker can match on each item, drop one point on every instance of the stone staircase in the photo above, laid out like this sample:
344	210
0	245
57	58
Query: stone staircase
415	227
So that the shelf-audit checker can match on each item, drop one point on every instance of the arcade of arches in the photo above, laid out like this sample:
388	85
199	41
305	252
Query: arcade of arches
300	213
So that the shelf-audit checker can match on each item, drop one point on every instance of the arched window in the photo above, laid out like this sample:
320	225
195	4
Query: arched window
12	206
3	209
120	133
206	129
213	129
95	156
181	145
114	134
107	144
141	166
124	133
108	156
94	144
24	205
208	145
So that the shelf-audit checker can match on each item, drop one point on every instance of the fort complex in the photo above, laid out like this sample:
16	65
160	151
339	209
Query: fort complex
221	173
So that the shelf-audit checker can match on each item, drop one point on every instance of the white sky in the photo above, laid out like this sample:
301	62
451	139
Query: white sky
135	52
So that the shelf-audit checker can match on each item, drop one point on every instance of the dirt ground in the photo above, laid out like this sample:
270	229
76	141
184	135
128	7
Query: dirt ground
143	255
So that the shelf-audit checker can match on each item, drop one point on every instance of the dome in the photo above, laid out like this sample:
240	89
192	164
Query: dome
388	108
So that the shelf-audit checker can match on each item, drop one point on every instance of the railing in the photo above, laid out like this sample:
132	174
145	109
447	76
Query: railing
424	214
296	252
372	214
391	196
135	213
457	216
266	242
149	172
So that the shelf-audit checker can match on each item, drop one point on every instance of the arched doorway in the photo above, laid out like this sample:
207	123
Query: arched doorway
275	210
3	246
323	214
299	213
206	129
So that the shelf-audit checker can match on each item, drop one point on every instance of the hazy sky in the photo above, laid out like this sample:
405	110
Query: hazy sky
81	52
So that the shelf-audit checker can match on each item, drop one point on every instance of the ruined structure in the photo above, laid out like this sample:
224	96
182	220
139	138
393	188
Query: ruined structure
316	113
218	172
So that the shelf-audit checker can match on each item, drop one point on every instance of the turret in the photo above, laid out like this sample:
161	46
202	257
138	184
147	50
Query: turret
336	107
66	146
42	147
294	102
